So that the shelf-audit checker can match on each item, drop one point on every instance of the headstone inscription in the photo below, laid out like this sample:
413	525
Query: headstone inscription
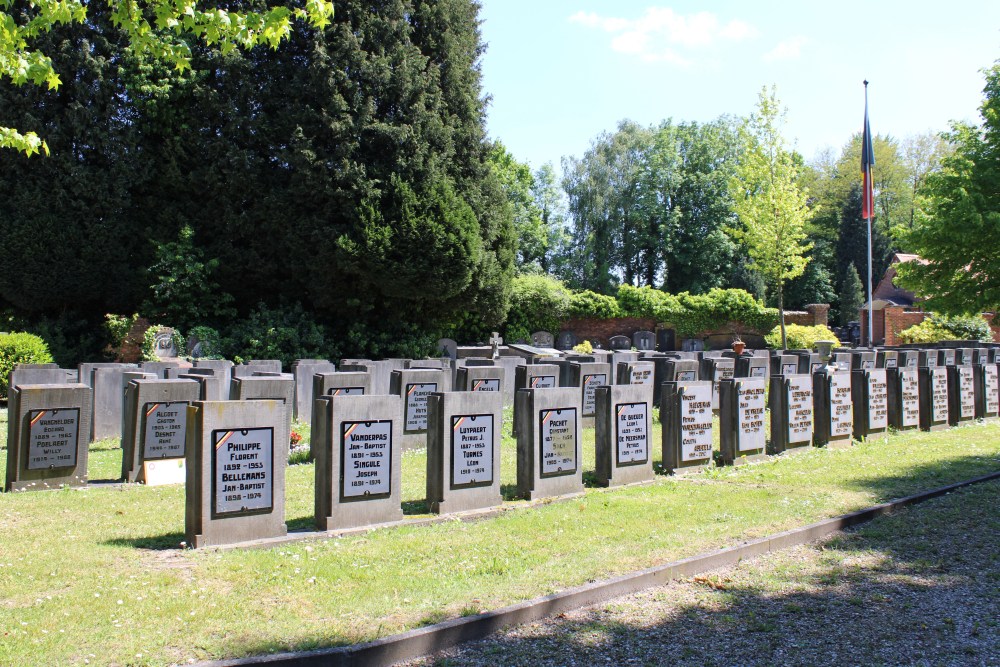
833	408
686	416
903	396
623	436
870	395
791	403
463	451
155	425
987	390
414	386
961	394
47	436
357	443
933	383
588	377
303	371
743	435
644	340
635	372
236	457
533	376
549	429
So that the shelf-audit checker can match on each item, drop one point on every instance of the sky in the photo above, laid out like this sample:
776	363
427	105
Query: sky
561	72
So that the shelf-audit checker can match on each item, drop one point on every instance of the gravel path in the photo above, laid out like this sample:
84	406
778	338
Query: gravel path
920	587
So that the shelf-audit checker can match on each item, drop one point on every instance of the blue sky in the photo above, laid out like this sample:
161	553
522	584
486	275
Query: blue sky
560	72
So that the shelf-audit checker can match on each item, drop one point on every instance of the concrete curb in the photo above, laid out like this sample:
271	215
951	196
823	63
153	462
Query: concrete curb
433	638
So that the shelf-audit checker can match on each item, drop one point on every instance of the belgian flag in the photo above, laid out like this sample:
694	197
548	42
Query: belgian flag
867	161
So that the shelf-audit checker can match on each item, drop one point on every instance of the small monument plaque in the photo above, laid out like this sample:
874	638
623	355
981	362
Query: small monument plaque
558	442
366	459
53	438
632	433
416	405
243	470
962	394
741	418
791	413
165	430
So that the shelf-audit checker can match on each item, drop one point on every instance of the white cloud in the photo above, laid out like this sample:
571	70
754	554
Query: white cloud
663	35
790	49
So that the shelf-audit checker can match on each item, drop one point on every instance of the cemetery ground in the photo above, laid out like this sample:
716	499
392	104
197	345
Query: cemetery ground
96	575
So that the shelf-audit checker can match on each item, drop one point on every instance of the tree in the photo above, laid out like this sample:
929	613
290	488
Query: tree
518	185
852	296
550	201
958	217
158	27
771	208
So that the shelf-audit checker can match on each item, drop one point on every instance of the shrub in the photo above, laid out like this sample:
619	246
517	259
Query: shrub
284	332
936	328
20	348
587	304
692	314
538	303
800	337
211	342
584	348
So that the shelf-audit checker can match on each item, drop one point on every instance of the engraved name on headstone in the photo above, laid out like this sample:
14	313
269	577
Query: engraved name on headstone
165	430
878	406
967	393
750	417
696	422
910	396
590	384
543	382
800	409
471	450
841	406
243	470
631	433
992	389
939	400
558	442
346	391
416	405
52	438
486	384
366	459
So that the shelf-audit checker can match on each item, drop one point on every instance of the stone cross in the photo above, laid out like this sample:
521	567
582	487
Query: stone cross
496	341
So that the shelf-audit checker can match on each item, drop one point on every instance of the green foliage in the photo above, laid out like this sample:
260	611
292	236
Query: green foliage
936	328
799	337
118	326
587	304
583	348
852	296
927	331
210	339
539	303
406	340
148	348
20	348
284	333
693	314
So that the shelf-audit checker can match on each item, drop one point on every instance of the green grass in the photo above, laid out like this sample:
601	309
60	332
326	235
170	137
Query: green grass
95	574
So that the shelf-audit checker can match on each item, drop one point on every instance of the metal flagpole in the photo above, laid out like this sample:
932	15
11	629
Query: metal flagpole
871	317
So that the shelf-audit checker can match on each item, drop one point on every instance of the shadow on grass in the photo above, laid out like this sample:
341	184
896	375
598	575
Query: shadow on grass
150	543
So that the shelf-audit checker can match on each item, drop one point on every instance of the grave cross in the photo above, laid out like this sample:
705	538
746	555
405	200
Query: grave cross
496	341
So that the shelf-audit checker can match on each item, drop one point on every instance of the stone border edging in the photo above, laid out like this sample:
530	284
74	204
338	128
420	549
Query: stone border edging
424	641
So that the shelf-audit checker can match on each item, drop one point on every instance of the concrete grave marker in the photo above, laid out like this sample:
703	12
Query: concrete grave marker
686	415
542	339
447	347
903	397
358	447
933	382
862	360
833	408
265	387
223	370
480	378
588	377
961	393
549	428
414	386
870	395
946	357
620	343
155	423
623	438
751	367
533	376
636	372
784	364
987	392
741	419
644	340
303	371
566	340
887	359
463	451
236	457
791	403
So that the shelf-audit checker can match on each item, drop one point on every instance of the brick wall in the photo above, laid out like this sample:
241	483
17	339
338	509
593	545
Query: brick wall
599	331
893	320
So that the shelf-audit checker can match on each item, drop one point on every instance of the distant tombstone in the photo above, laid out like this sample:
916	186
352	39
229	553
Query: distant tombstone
414	386
47	436
623	436
303	371
481	378
809	363
903	396
862	360
164	346
715	370
869	393
510	365
548	443
588	376
842	360
158	368
209	384
257	388
791	403
107	416
741	419
907	359
533	376
784	364
644	340
961	394
987	390
671	369
665	340
887	359
751	367
636	372
833	408
927	359
196	347
236	457
380	371
933	382
447	347
566	340
495	342
463	451
25	375
686	417
155	425
620	343
542	339
256	366
692	345
223	369
946	357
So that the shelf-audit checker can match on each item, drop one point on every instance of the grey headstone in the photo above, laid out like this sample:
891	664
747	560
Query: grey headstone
448	348
686	417
542	339
644	340
903	396
549	430
862	360
741	419
870	394
961	394
413	386
946	357
303	371
256	366
223	369
987	390
907	359
748	366
620	343
463	451
533	376
23	374
927	359
210	386
887	359
636	372
481	378
784	364
107	416
158	368
791	403
587	377
164	346
566	340
933	382
155	423
257	388
237	452
833	408
624	435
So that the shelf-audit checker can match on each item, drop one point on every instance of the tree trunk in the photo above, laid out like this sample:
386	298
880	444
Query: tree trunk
781	311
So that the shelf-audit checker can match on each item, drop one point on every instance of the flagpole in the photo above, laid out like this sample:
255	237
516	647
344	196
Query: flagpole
871	304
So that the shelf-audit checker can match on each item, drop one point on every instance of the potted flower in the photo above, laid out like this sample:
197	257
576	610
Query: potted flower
738	344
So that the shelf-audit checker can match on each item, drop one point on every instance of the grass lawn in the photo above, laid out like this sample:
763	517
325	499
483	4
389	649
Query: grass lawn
96	574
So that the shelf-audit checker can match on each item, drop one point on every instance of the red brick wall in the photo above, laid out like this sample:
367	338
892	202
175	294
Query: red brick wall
894	319
601	331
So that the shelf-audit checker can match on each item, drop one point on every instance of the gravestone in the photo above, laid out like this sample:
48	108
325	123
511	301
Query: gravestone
620	343
481	378
566	340
791	404
209	384
784	364
933	382
533	376
463	451
964	356
686	418
164	345
47	436
24	375
380	371
265	387
588	377
961	394
862	360
833	408
542	339
887	359
809	362
716	370
946	357
107	417
623	436
670	368
666	340
256	366
903	396
414	386
158	368
155	427
748	366
236	457
223	369
644	340
509	365
928	359
842	360
869	393
447	347
303	371
907	359
987	390
635	372
549	428
357	444
741	420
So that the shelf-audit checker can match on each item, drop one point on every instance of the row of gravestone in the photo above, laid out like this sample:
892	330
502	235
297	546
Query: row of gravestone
234	452
567	340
